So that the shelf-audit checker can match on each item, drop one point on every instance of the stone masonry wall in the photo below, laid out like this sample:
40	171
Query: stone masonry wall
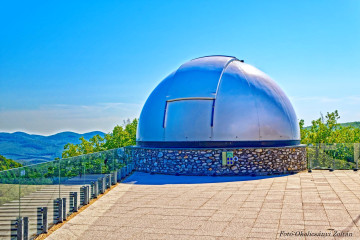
258	161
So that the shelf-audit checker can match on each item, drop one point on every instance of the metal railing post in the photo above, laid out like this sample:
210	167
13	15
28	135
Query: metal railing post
333	168
114	178
106	180
102	184
95	188
75	194
317	152
356	155
85	191
309	159
42	216
19	228
26	228
87	194
64	215
73	202
96	184
59	205
44	219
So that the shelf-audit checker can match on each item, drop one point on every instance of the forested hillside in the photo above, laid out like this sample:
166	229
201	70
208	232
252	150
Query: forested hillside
353	124
347	124
30	149
7	163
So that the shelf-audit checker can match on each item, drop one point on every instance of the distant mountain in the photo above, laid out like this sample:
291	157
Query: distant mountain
30	149
354	124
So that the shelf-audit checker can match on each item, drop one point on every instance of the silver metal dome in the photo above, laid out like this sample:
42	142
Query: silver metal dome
217	101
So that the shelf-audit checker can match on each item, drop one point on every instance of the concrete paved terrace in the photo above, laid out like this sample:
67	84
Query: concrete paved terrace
180	207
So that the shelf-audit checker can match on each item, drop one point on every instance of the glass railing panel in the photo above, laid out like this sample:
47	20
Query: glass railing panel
39	191
9	185
99	167
356	155
326	159
48	193
343	155
120	163
9	202
72	182
333	156
311	155
93	167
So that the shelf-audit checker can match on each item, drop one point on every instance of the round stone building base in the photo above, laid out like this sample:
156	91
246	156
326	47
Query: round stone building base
220	162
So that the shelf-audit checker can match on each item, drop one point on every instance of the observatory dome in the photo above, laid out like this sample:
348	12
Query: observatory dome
217	101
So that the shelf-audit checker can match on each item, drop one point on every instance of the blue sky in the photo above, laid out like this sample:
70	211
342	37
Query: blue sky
88	65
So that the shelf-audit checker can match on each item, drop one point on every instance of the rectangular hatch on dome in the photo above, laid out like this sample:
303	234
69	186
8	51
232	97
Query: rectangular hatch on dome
188	120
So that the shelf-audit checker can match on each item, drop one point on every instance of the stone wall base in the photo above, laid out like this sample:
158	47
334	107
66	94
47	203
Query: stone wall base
208	162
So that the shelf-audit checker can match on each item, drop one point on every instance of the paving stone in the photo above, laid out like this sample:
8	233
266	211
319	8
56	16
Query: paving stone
170	207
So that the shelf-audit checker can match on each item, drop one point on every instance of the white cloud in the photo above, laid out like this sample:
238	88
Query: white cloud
49	119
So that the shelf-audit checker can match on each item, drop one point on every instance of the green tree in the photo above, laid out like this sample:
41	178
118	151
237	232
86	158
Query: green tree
328	130
120	136
97	143
321	130
6	163
71	150
85	146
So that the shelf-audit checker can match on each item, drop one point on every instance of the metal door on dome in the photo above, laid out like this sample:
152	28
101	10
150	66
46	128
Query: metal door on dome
188	120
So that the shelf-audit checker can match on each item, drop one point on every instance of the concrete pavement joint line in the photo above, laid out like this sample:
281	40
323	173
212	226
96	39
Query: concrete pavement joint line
282	207
302	201
259	210
353	222
327	216
218	211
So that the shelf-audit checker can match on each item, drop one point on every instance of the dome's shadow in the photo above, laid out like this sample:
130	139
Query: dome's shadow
160	179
